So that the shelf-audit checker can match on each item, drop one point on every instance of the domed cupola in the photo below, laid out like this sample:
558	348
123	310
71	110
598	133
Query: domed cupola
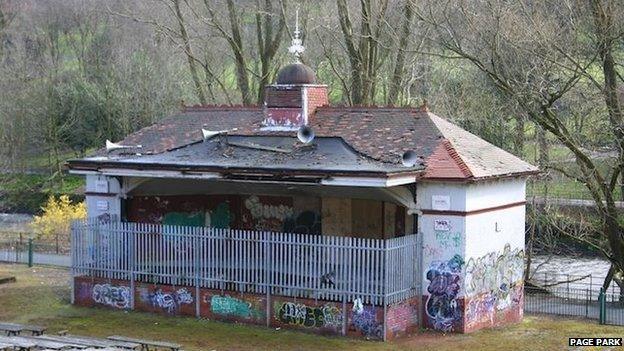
296	73
293	100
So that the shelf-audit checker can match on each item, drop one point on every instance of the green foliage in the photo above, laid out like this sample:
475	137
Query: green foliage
28	193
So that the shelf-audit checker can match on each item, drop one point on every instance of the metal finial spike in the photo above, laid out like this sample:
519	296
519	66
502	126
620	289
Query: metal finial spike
296	48
297	23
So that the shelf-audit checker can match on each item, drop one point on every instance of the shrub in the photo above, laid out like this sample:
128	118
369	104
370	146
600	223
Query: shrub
58	213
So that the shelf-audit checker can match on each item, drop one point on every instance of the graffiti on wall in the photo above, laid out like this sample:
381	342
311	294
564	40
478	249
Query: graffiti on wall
448	239
307	222
231	306
193	219
266	216
442	306
259	210
496	273
299	314
169	302
364	320
432	250
403	317
220	217
482	308
112	295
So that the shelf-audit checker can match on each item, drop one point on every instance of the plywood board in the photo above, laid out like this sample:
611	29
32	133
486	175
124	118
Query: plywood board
389	219
367	221
336	216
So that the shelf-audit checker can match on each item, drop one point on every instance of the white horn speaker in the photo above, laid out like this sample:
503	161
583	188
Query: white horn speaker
409	158
305	134
110	146
207	134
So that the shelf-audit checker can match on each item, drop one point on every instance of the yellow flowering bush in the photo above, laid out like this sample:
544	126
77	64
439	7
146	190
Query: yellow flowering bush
57	217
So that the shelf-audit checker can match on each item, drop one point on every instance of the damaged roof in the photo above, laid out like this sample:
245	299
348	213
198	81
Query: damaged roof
349	139
283	153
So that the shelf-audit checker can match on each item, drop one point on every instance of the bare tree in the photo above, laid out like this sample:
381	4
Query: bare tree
363	49
398	73
532	53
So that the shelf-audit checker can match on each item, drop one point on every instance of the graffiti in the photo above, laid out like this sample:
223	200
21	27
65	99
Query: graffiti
194	219
307	222
495	273
442	306
364	320
230	306
169	302
404	317
431	250
110	295
263	211
220	217
326	316
480	309
448	240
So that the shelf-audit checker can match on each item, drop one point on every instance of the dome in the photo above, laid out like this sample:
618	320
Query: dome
296	73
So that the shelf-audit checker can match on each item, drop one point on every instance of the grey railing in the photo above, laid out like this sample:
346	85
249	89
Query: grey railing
334	268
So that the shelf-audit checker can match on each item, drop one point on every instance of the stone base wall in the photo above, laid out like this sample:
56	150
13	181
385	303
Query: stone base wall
316	316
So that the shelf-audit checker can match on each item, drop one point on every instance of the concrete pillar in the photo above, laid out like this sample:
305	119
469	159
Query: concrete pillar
103	196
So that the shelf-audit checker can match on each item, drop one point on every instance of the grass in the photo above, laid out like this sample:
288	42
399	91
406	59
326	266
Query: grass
563	188
41	296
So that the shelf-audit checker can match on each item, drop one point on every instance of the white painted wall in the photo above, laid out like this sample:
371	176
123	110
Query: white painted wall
495	193
474	235
490	231
456	191
97	204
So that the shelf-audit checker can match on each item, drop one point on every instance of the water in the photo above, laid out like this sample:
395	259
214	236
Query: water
586	273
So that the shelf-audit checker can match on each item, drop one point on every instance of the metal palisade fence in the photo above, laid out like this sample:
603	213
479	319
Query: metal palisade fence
607	308
325	267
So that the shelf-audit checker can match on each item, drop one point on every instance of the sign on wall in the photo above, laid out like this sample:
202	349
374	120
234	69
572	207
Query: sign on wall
101	186
441	202
102	205
442	225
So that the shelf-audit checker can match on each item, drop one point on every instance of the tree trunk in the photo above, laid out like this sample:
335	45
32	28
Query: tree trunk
519	138
603	21
399	65
268	44
529	245
242	76
542	146
189	54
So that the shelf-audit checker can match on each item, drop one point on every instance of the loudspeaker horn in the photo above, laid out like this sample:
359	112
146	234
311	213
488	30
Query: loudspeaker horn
207	134
110	146
409	158
305	134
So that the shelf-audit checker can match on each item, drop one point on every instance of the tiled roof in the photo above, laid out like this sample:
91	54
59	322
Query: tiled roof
382	134
481	158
